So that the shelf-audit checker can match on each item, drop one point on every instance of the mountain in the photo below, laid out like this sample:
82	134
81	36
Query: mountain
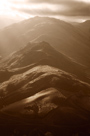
3	23
6	21
45	78
42	53
66	38
85	28
43	92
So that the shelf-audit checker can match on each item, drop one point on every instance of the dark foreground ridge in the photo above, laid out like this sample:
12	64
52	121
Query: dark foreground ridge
43	93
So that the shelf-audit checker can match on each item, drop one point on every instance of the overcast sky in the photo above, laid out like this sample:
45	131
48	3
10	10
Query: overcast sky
64	9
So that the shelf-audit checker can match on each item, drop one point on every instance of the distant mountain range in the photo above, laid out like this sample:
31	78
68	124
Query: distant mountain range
44	79
85	28
6	21
66	38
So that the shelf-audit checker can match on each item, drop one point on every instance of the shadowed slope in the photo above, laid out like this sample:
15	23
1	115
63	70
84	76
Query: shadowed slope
46	76
42	88
85	28
34	54
61	35
46	92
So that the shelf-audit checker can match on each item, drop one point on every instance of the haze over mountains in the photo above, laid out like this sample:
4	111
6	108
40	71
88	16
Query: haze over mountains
45	81
85	27
61	35
5	21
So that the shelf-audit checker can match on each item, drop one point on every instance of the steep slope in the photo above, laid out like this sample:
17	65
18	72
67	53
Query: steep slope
47	94
34	54
46	73
61	35
41	91
85	28
6	21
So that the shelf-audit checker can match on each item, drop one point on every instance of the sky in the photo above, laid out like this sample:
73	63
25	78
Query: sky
70	10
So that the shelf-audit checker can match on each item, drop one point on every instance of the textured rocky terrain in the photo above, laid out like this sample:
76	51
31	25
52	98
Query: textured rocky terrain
66	38
45	91
39	85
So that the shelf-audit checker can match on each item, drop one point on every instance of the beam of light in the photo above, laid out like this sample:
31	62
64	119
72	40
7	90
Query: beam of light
6	9
37	6
17	8
14	7
86	1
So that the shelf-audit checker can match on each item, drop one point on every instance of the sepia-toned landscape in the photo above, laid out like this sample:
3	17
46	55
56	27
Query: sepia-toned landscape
45	77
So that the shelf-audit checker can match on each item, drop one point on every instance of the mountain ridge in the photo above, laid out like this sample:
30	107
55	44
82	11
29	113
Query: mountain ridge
44	87
53	31
42	53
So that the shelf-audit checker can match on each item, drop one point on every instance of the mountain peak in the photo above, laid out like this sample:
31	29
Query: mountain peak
87	22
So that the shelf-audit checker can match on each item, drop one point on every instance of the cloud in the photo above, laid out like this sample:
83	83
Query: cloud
53	7
27	8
